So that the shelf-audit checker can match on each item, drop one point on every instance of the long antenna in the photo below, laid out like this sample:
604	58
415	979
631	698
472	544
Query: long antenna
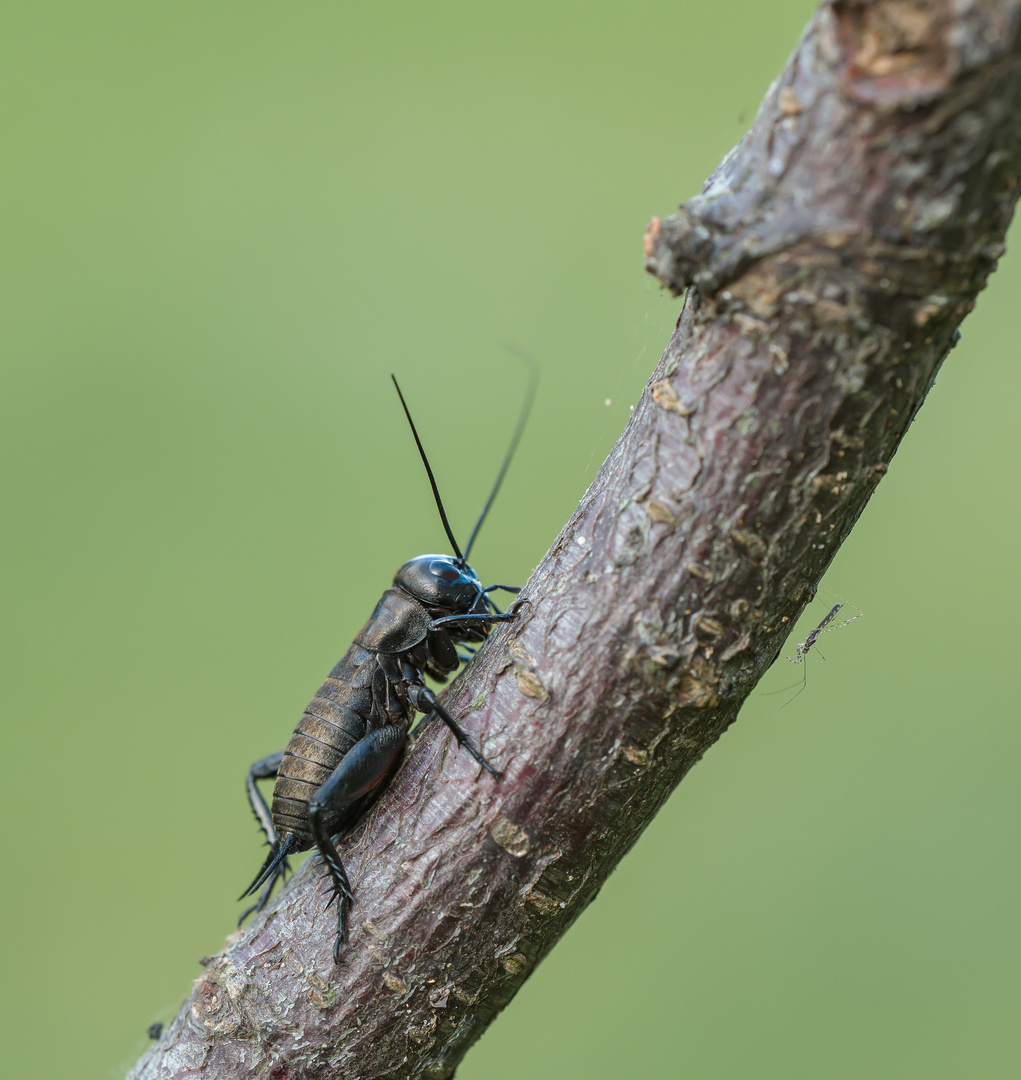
526	408
432	479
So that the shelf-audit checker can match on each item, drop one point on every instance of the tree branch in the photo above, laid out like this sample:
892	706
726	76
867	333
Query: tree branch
832	256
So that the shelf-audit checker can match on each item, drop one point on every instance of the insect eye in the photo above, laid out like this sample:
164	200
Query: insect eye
444	571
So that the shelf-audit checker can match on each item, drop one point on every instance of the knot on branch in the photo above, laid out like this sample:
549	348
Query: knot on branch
678	249
887	144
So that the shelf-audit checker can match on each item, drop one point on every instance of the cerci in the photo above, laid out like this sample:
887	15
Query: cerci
350	739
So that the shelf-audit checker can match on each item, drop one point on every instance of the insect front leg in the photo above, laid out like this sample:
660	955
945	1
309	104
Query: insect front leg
458	621
362	769
506	588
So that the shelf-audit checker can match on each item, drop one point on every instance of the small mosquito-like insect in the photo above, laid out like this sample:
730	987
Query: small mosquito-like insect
801	651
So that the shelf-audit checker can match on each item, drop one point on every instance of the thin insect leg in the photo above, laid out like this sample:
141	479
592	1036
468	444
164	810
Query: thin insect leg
275	867
844	604
783	689
267	891
425	700
798	659
507	588
469	620
264	769
469	652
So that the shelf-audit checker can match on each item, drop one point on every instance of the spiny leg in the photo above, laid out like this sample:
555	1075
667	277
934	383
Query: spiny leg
362	769
264	769
275	867
423	699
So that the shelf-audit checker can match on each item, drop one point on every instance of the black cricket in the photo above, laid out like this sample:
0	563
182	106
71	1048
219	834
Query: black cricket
351	737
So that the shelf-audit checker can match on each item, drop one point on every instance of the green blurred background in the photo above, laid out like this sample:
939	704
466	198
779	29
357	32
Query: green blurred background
225	225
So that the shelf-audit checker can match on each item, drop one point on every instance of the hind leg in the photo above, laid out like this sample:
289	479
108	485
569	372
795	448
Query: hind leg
264	769
362	769
275	867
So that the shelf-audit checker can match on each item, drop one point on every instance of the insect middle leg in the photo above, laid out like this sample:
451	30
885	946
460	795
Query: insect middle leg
424	700
362	769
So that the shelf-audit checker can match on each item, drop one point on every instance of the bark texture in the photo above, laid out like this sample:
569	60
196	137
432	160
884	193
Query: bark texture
832	256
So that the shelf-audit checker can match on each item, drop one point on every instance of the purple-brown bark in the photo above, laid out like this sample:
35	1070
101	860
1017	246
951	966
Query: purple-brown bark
833	255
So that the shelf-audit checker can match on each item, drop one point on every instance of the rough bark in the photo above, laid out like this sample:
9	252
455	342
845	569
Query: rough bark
832	256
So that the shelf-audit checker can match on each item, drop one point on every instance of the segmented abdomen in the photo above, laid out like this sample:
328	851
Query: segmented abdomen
325	733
